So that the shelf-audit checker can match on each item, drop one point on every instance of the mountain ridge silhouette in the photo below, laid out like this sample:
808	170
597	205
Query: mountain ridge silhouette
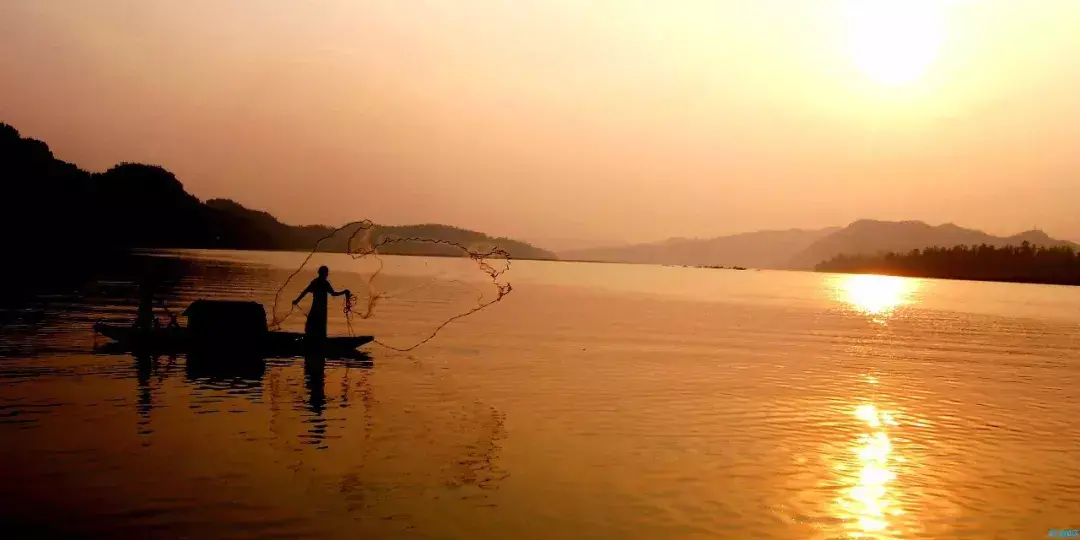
803	249
45	202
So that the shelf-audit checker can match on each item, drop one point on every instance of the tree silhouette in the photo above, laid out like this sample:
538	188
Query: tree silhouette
1024	263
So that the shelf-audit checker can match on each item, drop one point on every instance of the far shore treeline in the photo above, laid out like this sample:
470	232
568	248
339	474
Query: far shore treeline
51	208
1059	265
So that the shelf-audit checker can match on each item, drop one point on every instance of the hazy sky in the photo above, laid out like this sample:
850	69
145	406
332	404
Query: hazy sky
599	120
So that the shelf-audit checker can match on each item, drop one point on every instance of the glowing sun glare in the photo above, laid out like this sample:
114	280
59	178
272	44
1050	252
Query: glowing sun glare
895	41
874	295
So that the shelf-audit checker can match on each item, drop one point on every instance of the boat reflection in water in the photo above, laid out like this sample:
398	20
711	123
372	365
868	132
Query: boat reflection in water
315	384
878	297
247	374
146	368
214	376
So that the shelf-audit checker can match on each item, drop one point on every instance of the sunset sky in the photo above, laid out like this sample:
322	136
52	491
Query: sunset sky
604	120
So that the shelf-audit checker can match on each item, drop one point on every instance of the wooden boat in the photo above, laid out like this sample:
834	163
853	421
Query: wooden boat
275	344
163	340
227	330
295	343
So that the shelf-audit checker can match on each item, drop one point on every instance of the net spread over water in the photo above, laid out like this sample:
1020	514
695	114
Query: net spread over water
360	244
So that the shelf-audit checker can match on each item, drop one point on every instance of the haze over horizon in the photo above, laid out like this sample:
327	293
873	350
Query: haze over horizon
609	122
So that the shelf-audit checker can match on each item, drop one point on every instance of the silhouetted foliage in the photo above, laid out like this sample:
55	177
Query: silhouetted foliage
40	197
55	211
1025	263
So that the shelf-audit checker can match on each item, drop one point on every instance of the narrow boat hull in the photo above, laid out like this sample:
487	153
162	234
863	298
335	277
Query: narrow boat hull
161	339
297	344
272	344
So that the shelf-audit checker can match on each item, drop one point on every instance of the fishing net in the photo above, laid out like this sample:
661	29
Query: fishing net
361	244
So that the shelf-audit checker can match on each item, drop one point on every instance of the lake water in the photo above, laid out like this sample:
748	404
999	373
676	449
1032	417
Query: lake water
595	401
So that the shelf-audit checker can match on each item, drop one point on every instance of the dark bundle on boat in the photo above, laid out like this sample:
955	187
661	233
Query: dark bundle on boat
229	327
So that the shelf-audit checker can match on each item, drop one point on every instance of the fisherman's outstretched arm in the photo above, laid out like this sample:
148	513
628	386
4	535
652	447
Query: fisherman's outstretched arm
302	295
338	293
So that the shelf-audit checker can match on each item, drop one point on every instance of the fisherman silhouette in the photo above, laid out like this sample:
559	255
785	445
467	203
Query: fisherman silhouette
145	319
315	327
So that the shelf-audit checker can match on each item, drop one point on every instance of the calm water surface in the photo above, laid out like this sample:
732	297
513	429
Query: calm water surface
595	401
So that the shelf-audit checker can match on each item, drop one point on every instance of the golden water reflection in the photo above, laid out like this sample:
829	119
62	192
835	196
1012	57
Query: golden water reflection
871	497
876	296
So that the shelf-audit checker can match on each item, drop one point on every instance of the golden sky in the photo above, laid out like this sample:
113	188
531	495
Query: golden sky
600	120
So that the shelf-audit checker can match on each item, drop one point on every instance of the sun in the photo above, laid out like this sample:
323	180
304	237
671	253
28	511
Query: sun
895	41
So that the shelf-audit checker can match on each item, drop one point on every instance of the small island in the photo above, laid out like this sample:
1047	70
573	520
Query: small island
718	267
1026	263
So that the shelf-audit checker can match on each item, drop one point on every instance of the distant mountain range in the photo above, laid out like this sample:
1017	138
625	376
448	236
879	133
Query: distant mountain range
871	237
762	249
567	244
798	249
53	209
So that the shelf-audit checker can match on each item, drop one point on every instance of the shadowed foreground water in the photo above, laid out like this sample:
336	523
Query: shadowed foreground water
595	401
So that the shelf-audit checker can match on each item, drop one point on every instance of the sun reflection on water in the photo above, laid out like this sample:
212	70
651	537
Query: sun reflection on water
876	296
871	498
